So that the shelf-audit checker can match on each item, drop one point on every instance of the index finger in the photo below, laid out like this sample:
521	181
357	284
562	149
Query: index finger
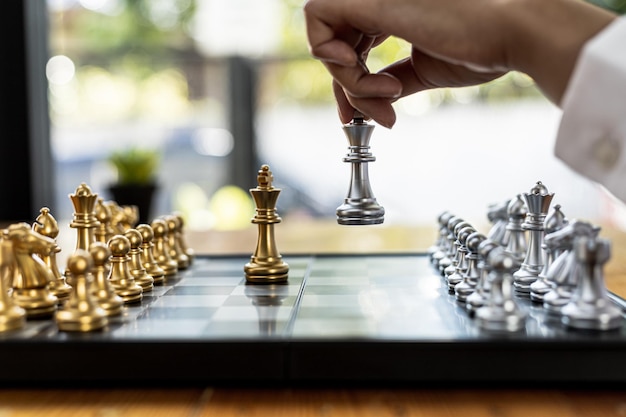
324	41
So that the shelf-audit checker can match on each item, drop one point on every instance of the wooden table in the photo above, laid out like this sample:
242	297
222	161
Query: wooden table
325	237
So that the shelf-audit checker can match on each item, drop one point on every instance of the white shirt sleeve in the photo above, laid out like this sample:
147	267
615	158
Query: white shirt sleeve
592	135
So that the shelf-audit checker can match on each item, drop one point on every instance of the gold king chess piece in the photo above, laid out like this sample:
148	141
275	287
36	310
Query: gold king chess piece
31	275
81	313
11	316
46	225
84	219
266	264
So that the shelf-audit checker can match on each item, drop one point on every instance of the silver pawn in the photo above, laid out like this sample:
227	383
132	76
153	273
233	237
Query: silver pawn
360	206
538	203
515	237
449	249
590	308
479	297
470	279
437	251
453	251
554	222
501	313
461	265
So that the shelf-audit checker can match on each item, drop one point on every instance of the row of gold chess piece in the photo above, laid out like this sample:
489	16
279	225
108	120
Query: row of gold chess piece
115	262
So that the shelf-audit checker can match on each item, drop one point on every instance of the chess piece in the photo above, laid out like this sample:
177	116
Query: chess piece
472	274
117	217
501	313
590	307
173	242
438	250
450	251
31	275
137	270
498	215
160	251
360	206
538	203
515	238
563	274
101	288
81	313
461	264
181	238
12	317
104	231
453	253
147	258
480	296
266	264
130	218
46	225
84	219
120	277
554	222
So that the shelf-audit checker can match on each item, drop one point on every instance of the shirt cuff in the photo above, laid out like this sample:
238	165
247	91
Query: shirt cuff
592	134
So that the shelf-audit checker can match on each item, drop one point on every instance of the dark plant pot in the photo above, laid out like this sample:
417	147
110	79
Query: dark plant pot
140	195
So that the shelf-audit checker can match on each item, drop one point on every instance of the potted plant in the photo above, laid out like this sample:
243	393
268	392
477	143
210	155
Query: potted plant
136	179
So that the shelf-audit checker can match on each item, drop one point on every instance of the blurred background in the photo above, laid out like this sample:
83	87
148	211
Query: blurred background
217	87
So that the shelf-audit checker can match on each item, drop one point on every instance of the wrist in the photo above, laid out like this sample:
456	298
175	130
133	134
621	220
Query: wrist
545	38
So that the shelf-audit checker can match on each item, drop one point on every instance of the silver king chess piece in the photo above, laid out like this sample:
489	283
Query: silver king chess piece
360	206
538	202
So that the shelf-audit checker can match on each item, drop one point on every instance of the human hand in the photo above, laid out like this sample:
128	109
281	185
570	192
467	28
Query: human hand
454	43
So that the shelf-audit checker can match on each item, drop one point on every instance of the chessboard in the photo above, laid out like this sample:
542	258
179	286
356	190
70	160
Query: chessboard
362	318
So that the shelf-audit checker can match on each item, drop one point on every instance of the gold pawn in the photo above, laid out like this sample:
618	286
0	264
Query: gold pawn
46	225
176	252
120	277
160	250
266	264
12	317
181	238
81	313
102	289
147	258
104	231
145	281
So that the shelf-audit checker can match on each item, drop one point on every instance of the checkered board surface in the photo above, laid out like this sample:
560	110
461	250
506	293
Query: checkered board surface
326	297
339	317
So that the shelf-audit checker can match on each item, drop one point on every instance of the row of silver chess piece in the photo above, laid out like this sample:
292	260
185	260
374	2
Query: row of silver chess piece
530	252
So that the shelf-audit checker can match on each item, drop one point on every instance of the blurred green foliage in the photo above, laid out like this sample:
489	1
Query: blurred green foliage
135	165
